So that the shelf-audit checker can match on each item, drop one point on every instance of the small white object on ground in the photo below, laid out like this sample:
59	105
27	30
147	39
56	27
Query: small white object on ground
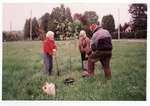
49	89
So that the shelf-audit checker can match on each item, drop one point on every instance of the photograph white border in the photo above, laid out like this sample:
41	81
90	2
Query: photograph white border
76	103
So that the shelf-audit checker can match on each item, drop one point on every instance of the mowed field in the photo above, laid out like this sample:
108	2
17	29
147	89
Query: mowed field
23	72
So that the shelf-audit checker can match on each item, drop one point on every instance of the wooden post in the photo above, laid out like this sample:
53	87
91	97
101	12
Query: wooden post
118	24
31	25
10	26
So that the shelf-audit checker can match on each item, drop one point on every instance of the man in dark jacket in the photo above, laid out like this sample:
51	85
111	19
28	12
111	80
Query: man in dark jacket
101	51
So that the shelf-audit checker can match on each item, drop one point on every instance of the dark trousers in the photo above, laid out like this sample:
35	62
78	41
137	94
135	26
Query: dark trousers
48	62
104	58
84	61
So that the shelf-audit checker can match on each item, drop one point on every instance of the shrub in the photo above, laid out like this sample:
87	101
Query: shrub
130	35
13	36
141	34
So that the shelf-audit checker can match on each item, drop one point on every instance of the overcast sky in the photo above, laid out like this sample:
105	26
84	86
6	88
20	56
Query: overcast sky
17	13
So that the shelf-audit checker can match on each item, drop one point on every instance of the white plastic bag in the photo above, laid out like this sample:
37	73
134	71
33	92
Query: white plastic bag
49	89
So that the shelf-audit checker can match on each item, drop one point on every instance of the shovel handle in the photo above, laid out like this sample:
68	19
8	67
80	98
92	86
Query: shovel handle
56	64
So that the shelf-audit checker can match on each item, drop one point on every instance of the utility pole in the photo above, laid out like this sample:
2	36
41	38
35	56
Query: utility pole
118	24
31	25
10	26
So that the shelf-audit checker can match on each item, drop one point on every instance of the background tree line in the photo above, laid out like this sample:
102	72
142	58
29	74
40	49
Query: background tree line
61	22
137	27
67	26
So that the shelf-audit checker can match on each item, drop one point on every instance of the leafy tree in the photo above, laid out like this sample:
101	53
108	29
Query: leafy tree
44	21
139	16
27	29
125	26
77	16
68	14
86	19
60	21
35	27
121	28
90	16
77	26
108	23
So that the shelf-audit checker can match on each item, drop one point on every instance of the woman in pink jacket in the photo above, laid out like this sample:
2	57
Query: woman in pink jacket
84	47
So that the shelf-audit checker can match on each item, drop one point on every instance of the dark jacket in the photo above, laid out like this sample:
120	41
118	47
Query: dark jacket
101	40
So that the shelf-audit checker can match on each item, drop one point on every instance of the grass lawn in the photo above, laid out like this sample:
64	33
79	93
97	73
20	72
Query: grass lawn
23	77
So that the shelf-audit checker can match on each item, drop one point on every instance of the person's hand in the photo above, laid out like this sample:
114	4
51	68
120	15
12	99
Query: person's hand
89	53
54	51
82	50
86	55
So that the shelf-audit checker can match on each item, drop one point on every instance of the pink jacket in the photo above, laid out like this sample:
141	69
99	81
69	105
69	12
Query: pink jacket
84	45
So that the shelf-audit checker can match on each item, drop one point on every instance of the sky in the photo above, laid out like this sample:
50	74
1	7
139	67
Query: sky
15	14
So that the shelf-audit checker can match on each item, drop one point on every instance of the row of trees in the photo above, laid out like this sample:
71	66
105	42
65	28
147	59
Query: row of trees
139	18
64	25
12	35
59	21
137	27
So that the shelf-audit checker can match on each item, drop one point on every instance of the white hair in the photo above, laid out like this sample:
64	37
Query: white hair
83	33
49	33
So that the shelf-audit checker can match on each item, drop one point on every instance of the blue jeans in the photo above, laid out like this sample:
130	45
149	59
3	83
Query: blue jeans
48	62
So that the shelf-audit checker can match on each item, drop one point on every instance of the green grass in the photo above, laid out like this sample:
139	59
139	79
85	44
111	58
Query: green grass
23	77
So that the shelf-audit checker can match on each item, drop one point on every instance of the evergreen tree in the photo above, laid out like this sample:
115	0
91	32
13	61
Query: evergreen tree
44	20
139	16
27	29
108	23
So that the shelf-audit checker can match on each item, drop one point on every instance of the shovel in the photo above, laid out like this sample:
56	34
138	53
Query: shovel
57	67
